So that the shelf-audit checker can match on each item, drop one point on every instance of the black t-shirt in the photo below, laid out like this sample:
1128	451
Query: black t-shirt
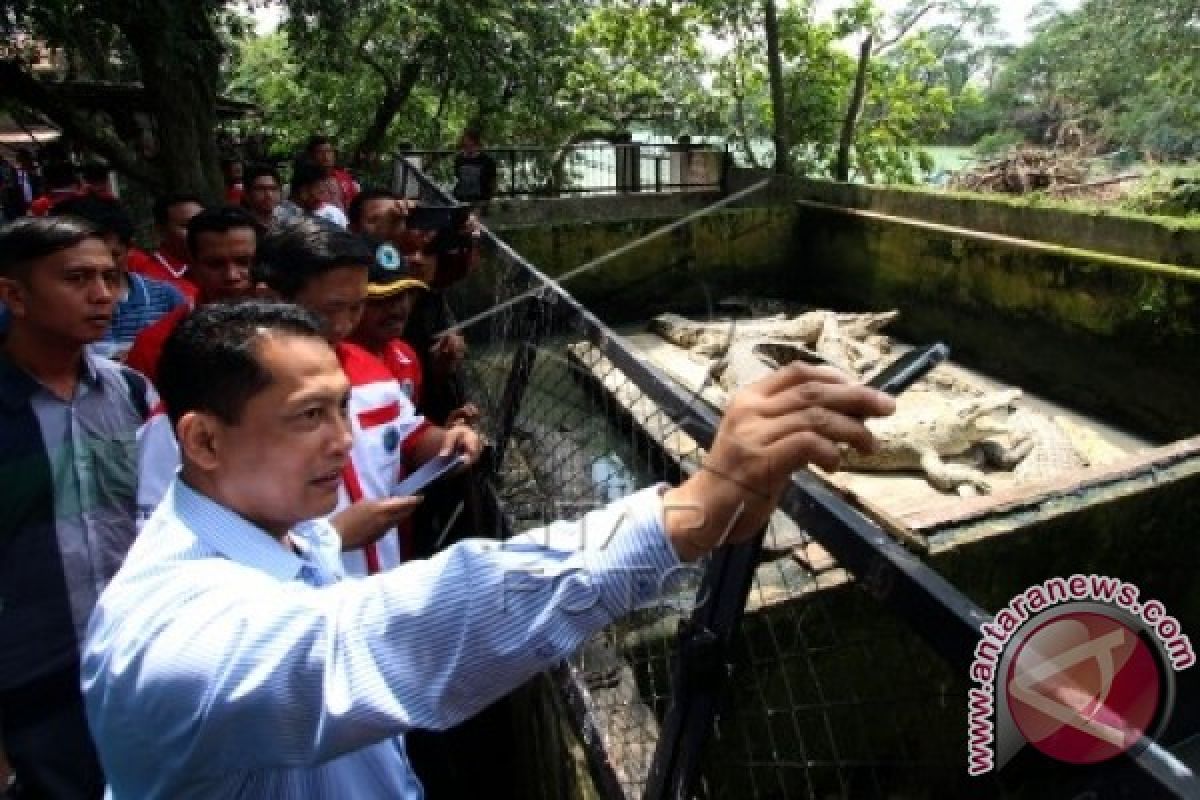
475	178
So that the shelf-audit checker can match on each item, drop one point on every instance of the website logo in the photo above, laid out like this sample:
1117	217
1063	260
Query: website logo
1076	667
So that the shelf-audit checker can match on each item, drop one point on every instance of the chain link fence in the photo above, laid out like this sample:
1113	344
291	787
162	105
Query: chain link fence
821	660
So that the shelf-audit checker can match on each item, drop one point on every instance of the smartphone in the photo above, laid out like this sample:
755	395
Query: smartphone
909	368
432	470
437	218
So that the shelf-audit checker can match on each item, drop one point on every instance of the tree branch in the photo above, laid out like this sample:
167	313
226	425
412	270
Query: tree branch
384	74
28	90
393	100
905	27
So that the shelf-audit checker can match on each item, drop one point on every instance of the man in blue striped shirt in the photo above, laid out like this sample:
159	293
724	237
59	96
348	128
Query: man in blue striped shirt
141	301
231	658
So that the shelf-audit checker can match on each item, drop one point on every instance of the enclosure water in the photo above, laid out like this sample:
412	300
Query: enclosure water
816	684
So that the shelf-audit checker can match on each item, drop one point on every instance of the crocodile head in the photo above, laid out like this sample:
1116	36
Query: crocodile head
974	416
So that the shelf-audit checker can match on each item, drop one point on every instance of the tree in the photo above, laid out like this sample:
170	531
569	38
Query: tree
173	49
539	72
906	101
1076	73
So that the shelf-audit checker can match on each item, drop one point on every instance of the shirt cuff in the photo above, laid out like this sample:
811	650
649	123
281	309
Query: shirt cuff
636	566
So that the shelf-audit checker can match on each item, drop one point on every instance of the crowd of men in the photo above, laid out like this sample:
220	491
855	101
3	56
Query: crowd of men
207	581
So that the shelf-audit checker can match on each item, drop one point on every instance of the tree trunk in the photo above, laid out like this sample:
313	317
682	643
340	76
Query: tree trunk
393	101
783	145
180	84
841	170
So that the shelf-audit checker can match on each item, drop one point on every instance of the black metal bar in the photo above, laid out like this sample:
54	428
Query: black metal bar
510	402
701	670
574	691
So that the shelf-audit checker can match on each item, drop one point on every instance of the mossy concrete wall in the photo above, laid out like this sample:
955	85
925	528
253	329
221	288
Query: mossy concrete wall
833	697
1161	239
1112	336
741	250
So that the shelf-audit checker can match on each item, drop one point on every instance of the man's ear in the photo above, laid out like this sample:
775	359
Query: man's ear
12	294
200	436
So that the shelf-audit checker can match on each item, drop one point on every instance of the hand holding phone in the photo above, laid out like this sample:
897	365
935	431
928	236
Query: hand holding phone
909	368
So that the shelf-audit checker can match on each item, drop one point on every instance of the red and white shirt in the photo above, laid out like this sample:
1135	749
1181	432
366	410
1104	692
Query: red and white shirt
163	267
384	425
402	361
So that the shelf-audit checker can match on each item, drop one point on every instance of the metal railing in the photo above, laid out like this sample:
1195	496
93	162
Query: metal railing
591	168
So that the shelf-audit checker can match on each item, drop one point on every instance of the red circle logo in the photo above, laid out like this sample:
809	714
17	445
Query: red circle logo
1083	687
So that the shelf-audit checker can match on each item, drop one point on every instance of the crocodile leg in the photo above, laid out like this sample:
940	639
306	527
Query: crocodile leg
952	477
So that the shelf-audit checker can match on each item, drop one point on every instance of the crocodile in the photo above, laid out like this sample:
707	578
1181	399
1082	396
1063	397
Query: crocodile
748	361
1035	449
713	338
926	429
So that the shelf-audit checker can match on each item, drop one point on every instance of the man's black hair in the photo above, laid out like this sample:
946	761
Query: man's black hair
220	219
59	175
209	363
292	255
355	211
256	171
306	172
105	213
27	239
162	205
94	172
315	141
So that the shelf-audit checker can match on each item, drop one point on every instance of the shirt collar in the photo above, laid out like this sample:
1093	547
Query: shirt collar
17	385
232	535
90	369
137	287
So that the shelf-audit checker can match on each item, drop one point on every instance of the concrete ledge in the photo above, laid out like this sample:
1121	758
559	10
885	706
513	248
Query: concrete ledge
1165	241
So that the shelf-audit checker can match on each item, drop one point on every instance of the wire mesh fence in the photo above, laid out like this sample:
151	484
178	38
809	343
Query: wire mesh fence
822	660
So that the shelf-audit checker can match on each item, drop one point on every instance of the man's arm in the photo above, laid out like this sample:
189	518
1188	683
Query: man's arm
434	440
208	648
308	675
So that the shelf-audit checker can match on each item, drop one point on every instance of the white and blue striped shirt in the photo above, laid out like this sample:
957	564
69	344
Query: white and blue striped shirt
220	664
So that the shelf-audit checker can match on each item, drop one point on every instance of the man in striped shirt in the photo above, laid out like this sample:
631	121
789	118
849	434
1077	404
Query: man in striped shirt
230	658
68	476
141	301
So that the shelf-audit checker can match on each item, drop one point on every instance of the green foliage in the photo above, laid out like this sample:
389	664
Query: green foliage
1121	72
998	143
912	90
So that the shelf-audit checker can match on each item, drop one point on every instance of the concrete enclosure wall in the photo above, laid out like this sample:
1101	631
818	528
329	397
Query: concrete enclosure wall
732	251
1159	239
1115	336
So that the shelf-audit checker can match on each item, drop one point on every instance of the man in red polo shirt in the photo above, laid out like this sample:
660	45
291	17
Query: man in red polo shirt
342	186
222	242
170	261
325	270
392	291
